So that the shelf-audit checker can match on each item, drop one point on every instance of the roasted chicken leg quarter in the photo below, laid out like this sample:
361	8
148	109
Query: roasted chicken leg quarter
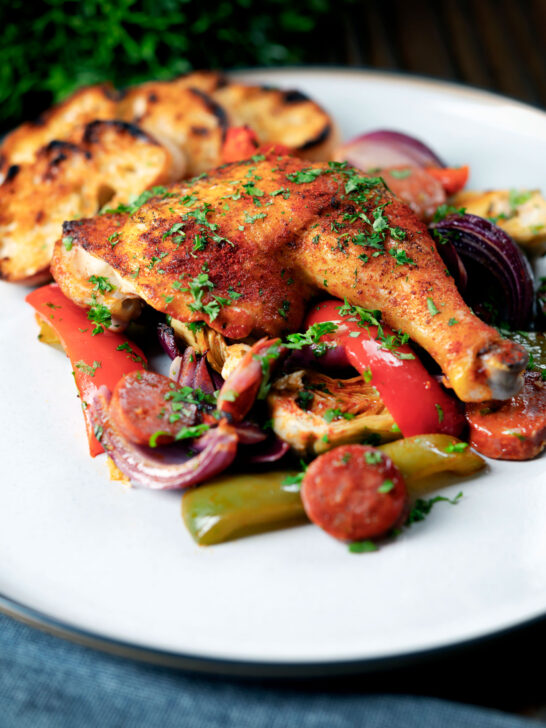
245	248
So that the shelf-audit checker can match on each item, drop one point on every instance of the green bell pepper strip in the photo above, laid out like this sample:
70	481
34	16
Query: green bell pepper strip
234	506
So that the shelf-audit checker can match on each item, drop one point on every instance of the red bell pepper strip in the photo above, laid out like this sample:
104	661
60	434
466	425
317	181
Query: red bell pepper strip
96	360
416	401
240	143
452	179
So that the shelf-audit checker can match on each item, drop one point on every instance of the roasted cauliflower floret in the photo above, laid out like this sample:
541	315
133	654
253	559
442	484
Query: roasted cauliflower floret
111	163
521	213
314	412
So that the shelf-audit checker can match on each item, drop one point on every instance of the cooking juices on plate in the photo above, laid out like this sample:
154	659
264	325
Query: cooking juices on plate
321	318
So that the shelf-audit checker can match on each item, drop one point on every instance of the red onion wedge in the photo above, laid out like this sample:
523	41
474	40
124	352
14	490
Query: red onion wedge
183	368
250	378
385	148
202	379
317	356
169	468
249	433
166	337
478	240
269	452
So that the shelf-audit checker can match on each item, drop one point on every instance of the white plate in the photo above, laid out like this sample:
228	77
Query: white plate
117	563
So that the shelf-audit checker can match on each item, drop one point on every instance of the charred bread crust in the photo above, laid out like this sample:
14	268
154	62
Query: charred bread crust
59	122
288	117
111	163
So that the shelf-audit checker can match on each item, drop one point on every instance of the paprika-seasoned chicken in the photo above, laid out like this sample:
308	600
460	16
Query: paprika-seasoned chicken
247	247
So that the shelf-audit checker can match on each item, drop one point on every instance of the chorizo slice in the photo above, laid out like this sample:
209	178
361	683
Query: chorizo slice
144	403
354	492
514	429
417	188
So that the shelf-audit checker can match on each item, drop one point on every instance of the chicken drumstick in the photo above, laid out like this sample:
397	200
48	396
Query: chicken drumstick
246	247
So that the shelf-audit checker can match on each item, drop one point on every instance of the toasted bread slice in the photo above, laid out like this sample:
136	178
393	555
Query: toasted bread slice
185	119
59	122
282	117
113	162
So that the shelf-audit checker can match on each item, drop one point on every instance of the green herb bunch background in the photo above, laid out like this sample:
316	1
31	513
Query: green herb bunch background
49	48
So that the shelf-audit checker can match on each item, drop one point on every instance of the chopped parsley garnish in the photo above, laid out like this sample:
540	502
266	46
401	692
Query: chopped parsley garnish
292	483
195	326
440	412
332	414
401	257
68	242
456	447
265	359
172	230
100	315
444	210
304	175
87	368
311	336
304	399
137	203
133	356
284	309
252	218
102	284
400	173
373	457
432	308
518	197
361	547
422	508
187	433
386	486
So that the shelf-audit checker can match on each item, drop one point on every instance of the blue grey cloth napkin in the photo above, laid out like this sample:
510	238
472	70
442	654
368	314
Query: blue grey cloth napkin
46	682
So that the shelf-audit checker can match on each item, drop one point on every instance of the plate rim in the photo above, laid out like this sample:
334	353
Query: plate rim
413	79
248	668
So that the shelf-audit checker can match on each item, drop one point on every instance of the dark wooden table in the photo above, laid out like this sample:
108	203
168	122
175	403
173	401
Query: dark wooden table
498	45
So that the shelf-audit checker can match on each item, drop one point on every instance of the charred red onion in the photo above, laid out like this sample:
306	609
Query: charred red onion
167	468
250	378
166	337
385	148
317	355
269	451
478	240
183	368
249	433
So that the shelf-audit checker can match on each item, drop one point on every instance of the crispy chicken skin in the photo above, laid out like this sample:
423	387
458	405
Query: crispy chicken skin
245	248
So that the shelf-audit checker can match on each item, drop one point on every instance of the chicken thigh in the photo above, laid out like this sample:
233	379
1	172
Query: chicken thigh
245	248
